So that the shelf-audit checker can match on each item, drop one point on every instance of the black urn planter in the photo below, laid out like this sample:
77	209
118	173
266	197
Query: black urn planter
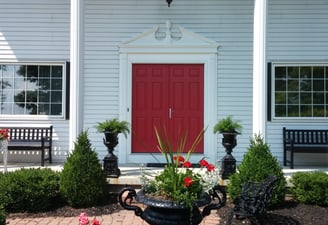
162	212
111	161
228	167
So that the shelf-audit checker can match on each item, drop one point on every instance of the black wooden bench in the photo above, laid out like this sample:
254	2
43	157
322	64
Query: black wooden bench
31	139
253	202
303	141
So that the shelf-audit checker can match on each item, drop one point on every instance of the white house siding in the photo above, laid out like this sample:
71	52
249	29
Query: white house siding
297	32
110	23
36	31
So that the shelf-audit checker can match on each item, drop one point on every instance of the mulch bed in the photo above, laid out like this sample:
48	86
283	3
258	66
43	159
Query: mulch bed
290	213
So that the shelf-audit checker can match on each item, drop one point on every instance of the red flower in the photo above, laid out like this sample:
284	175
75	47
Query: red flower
178	158
4	134
187	164
95	222
210	167
203	163
187	181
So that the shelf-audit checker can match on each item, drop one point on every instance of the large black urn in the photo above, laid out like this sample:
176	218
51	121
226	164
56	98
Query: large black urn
111	161
163	212
228	167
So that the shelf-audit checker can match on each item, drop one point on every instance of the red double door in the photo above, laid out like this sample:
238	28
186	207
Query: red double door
170	95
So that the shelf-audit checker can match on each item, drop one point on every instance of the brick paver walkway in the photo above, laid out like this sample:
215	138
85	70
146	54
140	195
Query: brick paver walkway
123	217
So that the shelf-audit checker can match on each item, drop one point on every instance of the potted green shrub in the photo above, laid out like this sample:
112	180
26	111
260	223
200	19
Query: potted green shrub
228	125
114	126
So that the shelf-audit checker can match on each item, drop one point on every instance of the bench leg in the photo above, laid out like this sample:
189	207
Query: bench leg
285	160
230	217
292	159
42	157
50	156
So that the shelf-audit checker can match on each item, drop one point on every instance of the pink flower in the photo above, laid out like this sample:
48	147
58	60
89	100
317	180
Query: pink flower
83	219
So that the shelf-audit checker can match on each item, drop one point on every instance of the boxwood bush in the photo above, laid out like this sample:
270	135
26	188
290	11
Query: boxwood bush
310	187
83	182
2	215
29	190
256	166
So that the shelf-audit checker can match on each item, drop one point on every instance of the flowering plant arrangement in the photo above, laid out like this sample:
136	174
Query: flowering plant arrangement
4	134
84	220
179	182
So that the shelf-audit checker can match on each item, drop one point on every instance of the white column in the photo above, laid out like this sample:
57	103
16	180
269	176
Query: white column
76	71
259	67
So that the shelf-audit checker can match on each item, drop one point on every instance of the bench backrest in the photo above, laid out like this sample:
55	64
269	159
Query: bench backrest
299	136
255	196
30	133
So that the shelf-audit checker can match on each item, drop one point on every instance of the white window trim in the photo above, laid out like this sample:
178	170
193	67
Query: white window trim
292	119
64	89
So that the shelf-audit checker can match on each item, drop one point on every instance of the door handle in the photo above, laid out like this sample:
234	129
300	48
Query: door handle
170	113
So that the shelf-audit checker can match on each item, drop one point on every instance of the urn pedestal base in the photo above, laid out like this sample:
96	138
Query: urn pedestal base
111	166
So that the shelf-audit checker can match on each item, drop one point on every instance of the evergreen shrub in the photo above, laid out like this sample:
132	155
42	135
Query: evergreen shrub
257	164
31	190
83	181
310	187
2	215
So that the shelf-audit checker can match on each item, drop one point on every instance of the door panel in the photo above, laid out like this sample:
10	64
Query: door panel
170	96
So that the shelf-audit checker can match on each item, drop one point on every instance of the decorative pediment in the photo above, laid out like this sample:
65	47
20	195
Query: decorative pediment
169	37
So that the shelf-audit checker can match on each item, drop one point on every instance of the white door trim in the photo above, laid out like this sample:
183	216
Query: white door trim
190	48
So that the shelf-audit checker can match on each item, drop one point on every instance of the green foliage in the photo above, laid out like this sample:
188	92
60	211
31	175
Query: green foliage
31	190
256	166
114	125
228	125
2	215
83	181
310	188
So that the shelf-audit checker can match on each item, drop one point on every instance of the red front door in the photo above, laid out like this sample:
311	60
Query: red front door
166	95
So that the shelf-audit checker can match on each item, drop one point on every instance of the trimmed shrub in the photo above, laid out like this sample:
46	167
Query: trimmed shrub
256	166
2	216
310	187
83	181
30	190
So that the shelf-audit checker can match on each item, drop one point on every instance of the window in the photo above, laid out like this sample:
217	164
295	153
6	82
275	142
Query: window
300	91
32	89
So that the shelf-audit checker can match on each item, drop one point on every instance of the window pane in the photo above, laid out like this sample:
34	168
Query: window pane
280	72
293	72
305	72
280	85
318	111
306	110
293	111
293	85
280	111
318	73
319	98
306	98
280	98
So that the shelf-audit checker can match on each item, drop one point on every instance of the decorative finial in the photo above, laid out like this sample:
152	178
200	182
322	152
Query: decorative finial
169	2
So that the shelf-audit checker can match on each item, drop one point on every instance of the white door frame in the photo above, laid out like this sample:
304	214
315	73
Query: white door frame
189	49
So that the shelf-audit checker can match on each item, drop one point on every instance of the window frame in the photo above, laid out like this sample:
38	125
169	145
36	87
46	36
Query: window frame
271	91
65	89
